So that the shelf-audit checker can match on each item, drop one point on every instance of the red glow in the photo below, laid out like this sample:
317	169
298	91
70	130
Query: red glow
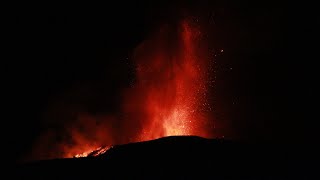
168	97
171	84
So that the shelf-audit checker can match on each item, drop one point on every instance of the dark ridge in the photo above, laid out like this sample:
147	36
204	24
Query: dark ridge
177	157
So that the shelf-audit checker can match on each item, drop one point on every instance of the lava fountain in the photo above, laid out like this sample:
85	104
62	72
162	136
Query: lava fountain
168	95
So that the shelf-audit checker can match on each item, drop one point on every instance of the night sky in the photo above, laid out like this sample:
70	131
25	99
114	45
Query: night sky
78	58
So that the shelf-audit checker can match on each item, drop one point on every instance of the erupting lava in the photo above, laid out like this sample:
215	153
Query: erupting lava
168	96
172	78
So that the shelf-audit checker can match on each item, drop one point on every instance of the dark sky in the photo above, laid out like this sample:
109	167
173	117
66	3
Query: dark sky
265	79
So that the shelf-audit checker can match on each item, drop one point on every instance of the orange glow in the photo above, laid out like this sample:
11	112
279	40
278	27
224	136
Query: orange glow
93	152
84	154
168	96
172	77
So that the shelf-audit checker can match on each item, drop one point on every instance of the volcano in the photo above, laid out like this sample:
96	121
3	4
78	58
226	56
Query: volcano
175	157
169	96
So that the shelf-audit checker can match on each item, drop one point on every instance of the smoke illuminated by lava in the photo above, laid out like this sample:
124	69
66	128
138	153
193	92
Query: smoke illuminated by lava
168	96
170	92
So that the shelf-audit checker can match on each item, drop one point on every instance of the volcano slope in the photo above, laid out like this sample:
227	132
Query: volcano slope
177	157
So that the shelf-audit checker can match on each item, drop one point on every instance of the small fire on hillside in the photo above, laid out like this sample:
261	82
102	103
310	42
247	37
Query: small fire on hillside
93	153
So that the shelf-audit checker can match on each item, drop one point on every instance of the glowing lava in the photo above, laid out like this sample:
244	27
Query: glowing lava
168	96
93	152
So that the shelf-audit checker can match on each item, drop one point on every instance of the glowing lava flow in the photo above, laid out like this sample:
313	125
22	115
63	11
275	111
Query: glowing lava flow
94	152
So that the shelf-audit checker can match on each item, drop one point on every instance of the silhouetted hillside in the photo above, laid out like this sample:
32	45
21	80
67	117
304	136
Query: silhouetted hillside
181	157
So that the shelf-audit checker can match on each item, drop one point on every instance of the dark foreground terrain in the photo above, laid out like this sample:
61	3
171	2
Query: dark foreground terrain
185	157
